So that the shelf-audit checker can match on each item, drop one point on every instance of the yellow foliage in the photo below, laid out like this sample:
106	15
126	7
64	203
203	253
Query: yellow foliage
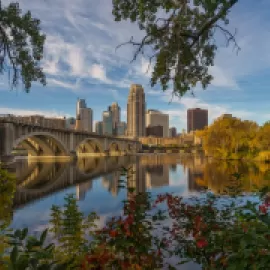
263	156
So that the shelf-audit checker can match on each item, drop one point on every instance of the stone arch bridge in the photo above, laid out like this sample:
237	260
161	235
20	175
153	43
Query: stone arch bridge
41	141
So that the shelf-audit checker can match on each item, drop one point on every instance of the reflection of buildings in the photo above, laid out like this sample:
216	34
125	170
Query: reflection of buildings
111	182
157	176
194	168
136	177
38	179
174	167
81	190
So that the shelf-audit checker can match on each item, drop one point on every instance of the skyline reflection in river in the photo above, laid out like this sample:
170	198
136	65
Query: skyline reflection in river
95	182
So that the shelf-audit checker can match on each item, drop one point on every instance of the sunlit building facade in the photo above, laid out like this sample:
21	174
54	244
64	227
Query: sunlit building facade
136	111
107	127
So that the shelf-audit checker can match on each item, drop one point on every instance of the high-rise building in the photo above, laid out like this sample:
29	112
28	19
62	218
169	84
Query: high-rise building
157	118
116	112
107	127
80	104
172	132
197	119
86	117
136	111
78	124
99	128
155	131
70	123
121	128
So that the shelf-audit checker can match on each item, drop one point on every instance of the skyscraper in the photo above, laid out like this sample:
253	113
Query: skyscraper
116	111
136	111
99	128
197	119
107	123
80	104
156	118
172	132
84	115
121	128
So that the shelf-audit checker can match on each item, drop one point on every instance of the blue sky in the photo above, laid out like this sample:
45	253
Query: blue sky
80	61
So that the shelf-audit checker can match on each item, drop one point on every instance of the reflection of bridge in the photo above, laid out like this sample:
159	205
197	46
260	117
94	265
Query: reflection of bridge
36	180
44	141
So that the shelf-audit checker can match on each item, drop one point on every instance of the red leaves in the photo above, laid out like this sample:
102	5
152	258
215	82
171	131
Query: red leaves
129	220
263	209
159	253
113	233
201	243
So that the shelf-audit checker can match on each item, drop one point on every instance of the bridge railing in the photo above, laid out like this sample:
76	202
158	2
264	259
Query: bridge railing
9	118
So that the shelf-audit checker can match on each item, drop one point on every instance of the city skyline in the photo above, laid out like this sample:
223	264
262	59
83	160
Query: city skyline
87	66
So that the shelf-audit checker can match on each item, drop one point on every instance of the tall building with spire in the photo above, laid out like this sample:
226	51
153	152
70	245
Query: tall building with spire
84	115
80	105
136	111
115	111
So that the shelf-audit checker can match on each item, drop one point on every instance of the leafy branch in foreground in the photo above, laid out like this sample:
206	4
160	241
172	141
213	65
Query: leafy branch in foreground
180	34
21	46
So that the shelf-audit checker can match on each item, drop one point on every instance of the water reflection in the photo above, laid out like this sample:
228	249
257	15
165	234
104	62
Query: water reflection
95	181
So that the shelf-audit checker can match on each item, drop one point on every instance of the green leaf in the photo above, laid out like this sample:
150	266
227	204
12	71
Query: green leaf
43	237
24	233
14	255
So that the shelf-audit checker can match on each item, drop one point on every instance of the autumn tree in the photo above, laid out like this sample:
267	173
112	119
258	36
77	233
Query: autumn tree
21	46
179	37
230	137
263	136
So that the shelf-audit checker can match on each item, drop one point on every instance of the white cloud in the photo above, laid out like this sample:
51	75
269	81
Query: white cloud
98	72
75	60
222	78
62	84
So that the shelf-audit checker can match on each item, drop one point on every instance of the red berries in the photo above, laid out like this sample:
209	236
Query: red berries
201	243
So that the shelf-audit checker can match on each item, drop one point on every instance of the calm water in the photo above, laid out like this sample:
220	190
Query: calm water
95	182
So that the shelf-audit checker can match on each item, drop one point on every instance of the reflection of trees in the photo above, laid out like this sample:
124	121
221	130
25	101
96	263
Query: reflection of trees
217	175
193	178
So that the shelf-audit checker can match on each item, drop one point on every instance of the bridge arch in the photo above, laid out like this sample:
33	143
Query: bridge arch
114	147
89	146
42	143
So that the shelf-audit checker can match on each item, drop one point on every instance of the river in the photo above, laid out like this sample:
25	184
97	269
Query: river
95	182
